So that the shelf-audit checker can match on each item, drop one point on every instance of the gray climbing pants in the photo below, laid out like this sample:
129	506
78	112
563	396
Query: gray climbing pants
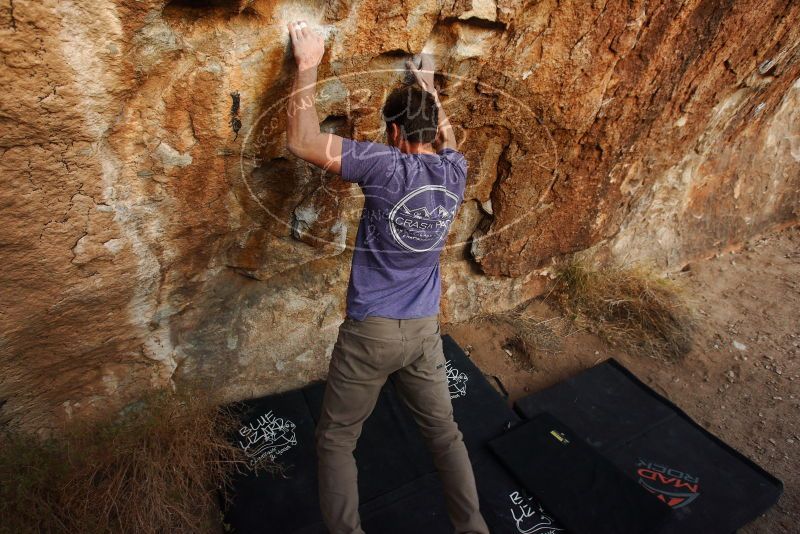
365	354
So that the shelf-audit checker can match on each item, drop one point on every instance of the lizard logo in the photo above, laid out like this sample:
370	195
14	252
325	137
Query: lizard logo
529	516
267	438
456	381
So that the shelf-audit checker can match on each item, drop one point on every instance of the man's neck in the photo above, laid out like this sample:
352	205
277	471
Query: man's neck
416	148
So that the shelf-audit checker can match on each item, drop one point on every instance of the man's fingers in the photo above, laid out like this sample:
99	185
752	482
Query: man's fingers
423	77
302	29
426	63
295	31
426	66
413	68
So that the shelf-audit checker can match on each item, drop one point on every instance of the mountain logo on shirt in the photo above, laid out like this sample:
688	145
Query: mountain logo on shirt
423	213
419	222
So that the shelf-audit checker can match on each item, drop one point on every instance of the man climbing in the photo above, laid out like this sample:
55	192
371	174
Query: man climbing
412	187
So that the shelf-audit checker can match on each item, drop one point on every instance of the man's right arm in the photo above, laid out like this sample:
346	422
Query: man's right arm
445	136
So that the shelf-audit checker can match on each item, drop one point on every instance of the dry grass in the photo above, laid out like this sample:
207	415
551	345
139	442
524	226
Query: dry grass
156	468
629	307
532	335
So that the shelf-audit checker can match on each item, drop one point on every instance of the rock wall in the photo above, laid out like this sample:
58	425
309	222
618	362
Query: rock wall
154	229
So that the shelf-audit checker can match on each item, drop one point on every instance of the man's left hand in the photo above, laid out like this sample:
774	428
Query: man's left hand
308	45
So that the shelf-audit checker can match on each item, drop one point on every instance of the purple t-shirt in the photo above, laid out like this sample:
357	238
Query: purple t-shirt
410	201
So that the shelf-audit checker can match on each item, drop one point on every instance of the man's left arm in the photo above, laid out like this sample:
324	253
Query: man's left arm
304	138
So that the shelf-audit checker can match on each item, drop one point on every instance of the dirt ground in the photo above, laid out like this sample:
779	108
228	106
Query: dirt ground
741	381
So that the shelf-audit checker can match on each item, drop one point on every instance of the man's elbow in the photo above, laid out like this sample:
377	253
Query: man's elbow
299	143
296	146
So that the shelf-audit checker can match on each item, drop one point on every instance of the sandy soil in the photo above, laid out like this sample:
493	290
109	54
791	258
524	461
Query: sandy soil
741	381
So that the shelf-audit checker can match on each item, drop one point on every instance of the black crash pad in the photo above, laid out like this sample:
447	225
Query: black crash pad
279	428
709	485
582	488
507	507
396	472
414	507
390	455
479	410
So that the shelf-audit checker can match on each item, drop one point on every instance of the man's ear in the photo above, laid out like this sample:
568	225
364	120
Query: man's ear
391	133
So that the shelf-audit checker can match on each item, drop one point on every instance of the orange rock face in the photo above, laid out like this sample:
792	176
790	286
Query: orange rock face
155	229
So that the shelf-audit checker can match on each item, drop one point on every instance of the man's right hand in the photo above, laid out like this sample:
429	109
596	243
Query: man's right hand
307	44
423	74
445	137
